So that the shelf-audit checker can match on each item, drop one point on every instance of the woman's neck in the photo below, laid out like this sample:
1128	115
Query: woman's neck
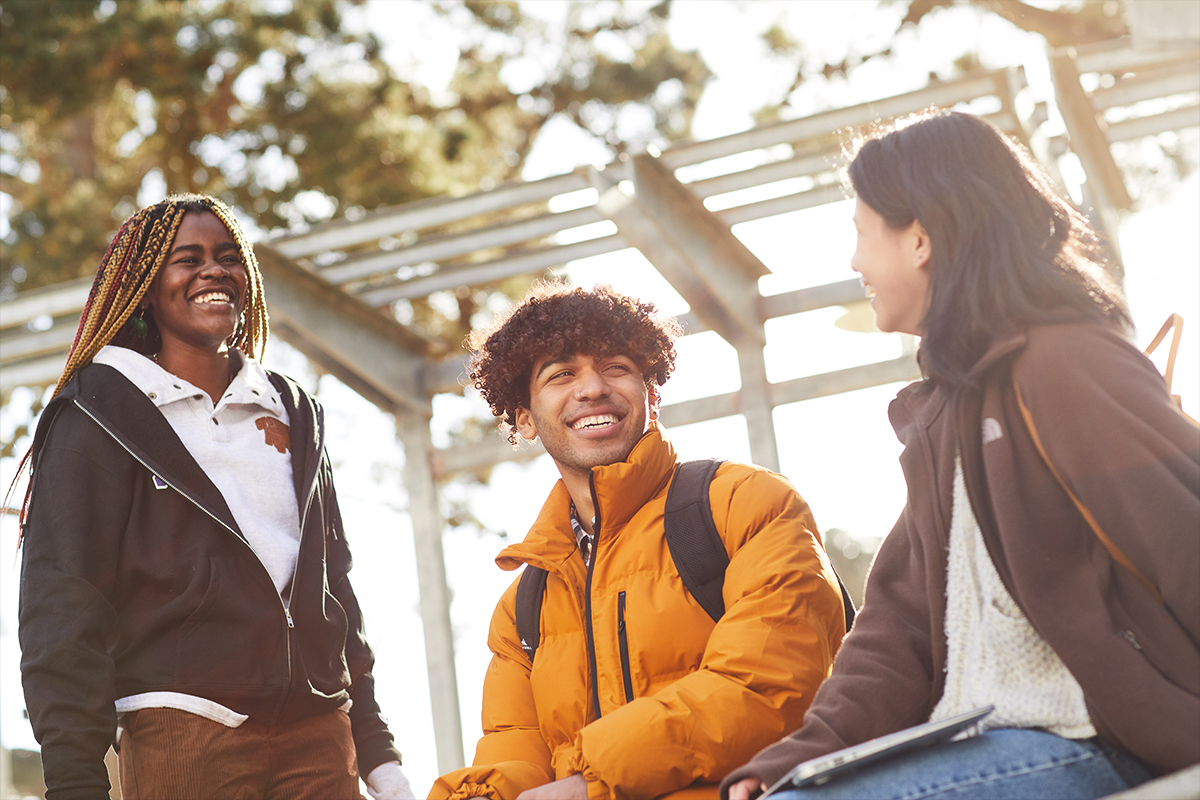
209	371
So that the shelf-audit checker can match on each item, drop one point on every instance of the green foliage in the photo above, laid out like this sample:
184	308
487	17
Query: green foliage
285	111
210	94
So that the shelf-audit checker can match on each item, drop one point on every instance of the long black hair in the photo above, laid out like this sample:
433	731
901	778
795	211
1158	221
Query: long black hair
1007	250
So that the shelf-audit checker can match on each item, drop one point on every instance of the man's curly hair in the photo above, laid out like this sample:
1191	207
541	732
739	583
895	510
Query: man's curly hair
556	320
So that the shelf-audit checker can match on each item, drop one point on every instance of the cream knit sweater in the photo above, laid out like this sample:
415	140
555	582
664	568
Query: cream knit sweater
994	655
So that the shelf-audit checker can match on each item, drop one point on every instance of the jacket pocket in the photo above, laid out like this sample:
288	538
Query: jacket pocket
328	649
211	594
623	642
233	637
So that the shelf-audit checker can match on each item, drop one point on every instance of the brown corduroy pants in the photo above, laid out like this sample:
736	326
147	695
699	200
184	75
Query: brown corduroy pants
168	754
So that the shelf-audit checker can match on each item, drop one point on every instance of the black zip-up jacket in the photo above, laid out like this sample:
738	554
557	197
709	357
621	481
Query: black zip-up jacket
128	586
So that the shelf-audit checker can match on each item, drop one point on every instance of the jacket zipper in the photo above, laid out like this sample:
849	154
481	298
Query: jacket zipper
623	639
587	601
299	546
312	487
286	613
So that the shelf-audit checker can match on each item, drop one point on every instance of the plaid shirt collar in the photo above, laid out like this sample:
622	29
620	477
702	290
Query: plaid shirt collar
582	538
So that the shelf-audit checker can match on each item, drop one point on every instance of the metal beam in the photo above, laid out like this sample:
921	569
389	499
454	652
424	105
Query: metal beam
21	345
427	526
851	379
1179	78
451	245
826	123
693	249
1086	129
811	298
375	355
1174	120
39	372
821	195
488	452
475	274
49	301
803	166
1119	55
425	214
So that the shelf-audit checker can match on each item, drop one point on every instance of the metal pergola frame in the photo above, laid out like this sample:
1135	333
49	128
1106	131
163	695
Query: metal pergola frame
331	288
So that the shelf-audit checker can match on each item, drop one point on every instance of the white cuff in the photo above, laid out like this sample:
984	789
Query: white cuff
387	782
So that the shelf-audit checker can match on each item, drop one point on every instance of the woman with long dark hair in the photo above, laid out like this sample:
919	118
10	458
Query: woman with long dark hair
1047	561
184	590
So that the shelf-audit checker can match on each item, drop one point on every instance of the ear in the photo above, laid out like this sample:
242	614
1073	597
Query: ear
525	425
654	400
922	246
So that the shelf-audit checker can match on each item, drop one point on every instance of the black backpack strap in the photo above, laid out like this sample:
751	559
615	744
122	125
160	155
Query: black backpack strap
531	588
696	546
847	603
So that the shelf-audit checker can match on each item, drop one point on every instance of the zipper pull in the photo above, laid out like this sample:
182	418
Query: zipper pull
1129	637
289	617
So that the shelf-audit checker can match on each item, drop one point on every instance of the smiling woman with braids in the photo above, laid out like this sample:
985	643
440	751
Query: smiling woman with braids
184	588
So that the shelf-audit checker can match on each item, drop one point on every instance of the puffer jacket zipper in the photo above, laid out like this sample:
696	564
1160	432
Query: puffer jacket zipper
587	601
623	641
286	613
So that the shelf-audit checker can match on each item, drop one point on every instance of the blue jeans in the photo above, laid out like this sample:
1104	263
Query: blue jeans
1004	764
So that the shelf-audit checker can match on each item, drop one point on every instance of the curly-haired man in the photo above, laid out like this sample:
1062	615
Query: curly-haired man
634	690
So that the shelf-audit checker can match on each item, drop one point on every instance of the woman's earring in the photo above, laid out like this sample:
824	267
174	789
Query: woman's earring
138	326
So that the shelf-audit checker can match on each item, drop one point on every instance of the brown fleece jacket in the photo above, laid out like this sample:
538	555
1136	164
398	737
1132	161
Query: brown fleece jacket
1073	400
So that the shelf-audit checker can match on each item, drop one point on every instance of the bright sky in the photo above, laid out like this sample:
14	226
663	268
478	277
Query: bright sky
839	451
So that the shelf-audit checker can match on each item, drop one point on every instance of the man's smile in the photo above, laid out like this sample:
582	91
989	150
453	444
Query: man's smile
594	422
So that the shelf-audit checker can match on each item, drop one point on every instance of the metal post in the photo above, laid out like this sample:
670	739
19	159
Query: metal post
1105	185
413	430
755	401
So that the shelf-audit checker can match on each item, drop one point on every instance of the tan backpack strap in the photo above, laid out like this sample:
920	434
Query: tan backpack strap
1090	518
1174	321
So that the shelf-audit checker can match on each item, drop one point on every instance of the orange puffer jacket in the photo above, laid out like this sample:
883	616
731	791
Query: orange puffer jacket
681	699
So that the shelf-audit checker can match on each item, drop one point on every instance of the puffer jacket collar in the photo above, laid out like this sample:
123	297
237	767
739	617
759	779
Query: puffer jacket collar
619	490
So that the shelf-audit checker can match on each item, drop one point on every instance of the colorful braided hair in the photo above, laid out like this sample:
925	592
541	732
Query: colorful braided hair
126	272
130	267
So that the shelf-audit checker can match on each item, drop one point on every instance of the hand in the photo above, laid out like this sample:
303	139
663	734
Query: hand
387	782
572	788
745	788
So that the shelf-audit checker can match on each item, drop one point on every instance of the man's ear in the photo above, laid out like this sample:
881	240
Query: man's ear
923	249
525	425
655	400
